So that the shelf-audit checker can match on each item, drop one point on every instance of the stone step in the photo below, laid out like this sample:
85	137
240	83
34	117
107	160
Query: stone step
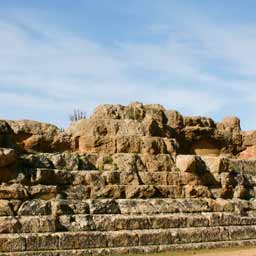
47	183
39	207
80	192
109	177
116	222
100	239
123	161
98	222
109	222
115	177
137	249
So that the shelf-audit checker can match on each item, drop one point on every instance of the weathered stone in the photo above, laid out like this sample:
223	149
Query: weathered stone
35	207
37	224
222	205
249	138
108	206
6	135
42	242
154	178
186	163
175	119
14	191
72	161
156	163
79	192
6	208
230	124
120	239
152	145
39	137
248	153
9	225
51	177
67	207
76	223
7	157
12	243
128	162
198	121
43	192
109	191
216	164
134	191
10	174
197	191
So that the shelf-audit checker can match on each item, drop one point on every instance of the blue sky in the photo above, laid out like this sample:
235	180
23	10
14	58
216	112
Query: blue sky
196	56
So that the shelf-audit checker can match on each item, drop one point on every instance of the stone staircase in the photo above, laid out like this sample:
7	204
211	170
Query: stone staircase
126	204
129	226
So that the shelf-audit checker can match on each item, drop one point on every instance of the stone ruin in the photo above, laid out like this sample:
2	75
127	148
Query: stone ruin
130	179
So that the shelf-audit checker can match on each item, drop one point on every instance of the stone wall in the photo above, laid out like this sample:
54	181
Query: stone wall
130	179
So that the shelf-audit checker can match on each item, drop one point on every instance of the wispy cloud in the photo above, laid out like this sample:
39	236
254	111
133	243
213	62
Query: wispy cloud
196	68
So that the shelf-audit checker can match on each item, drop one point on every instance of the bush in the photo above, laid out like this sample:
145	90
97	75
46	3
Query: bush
77	115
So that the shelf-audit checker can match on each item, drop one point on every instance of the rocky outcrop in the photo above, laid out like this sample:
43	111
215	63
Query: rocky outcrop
34	136
129	179
139	128
118	129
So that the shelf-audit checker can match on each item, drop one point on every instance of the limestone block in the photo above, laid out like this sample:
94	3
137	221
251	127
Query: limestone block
51	177
192	191
108	191
35	207
107	206
142	191
157	163
37	224
37	242
12	243
44	192
186	163
122	238
9	225
69	207
14	191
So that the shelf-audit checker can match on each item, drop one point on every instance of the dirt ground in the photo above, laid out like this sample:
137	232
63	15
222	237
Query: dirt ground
211	252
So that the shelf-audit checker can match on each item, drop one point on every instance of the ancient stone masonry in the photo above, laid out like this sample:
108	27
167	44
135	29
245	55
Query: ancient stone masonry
130	179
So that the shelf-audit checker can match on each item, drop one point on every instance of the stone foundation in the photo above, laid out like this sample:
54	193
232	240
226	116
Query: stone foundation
133	179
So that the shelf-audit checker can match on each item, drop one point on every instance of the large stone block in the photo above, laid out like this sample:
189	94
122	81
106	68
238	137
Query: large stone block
69	207
107	206
51	177
12	243
9	207
36	207
38	242
108	191
82	240
44	192
122	239
37	224
157	163
9	225
187	163
14	191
